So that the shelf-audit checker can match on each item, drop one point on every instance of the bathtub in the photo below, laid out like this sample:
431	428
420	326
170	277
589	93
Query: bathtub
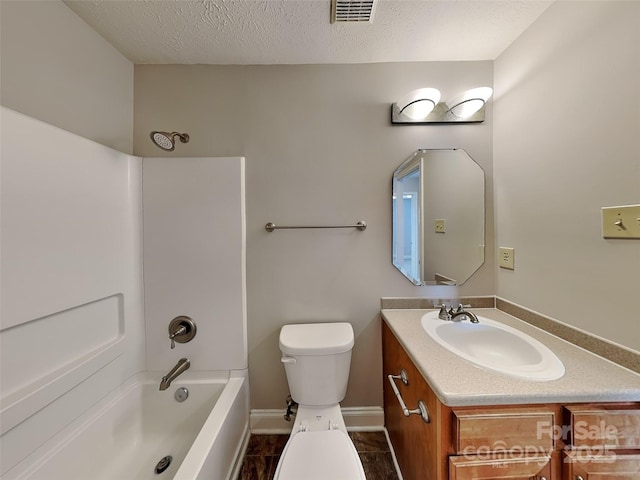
127	434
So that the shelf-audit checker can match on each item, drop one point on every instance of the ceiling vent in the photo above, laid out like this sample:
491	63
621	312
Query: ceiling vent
352	10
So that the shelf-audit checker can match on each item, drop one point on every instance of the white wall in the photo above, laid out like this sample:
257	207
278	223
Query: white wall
319	149
566	143
71	326
57	69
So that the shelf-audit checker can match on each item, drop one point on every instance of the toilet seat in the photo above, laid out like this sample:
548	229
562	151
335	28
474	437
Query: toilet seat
320	455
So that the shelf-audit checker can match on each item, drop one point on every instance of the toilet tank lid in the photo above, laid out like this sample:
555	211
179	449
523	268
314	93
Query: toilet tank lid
316	338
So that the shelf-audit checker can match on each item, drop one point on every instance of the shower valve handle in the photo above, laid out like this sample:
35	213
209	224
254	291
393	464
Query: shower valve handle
181	329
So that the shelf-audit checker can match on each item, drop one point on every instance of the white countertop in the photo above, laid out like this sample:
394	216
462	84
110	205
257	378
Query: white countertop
457	382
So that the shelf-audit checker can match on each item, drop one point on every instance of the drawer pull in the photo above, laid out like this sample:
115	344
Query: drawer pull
579	477
422	408
403	377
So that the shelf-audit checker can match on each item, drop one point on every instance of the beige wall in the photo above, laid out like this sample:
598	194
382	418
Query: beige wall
319	149
57	69
567	142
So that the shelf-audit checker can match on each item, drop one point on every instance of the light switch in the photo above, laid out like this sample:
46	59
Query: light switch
621	222
440	225
506	258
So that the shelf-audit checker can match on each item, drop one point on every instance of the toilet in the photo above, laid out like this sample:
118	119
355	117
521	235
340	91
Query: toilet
317	358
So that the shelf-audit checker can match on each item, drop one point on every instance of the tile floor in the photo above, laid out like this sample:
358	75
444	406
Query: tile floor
263	453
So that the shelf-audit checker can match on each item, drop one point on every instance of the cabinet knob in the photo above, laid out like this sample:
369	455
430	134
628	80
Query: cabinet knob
579	477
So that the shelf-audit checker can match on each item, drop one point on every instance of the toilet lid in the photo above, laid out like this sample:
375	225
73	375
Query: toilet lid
320	455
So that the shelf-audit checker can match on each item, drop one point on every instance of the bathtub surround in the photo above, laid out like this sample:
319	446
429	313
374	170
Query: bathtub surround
72	327
194	260
194	265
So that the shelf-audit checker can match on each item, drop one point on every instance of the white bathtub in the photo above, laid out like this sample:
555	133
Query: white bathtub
127	433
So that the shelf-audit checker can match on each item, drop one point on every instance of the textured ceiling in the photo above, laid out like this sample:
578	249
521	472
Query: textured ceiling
298	31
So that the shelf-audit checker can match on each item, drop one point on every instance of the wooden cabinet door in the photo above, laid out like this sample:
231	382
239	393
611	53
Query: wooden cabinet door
579	466
528	468
421	448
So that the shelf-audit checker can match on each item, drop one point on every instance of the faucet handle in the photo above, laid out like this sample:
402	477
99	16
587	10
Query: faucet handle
461	307
443	314
181	329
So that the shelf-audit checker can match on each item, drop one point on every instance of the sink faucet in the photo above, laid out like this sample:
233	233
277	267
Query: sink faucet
464	315
182	366
457	315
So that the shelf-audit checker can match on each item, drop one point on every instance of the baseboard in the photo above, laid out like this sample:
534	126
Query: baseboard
263	421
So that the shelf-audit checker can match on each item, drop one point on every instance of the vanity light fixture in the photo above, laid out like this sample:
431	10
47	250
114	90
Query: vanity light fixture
469	102
418	104
422	106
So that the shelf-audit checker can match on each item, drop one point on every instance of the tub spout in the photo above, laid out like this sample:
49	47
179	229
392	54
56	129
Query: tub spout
181	367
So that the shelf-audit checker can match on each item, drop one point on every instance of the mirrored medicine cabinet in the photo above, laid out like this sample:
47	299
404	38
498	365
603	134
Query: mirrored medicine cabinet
438	217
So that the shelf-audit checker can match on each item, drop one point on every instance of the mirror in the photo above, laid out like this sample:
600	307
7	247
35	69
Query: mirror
438	217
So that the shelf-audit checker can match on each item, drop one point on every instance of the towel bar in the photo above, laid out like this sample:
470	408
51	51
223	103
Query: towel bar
270	227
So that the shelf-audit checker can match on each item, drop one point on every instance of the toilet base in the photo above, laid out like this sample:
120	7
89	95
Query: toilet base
319	448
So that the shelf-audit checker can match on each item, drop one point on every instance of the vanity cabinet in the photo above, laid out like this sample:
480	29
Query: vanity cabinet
534	442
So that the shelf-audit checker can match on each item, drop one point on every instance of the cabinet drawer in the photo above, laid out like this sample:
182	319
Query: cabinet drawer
527	430
604	426
577	465
526	468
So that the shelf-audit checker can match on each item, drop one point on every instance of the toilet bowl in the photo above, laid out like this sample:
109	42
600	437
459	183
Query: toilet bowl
317	358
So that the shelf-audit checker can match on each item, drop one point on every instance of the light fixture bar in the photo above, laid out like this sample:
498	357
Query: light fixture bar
468	107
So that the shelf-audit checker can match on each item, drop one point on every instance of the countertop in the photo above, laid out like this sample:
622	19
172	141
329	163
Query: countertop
457	382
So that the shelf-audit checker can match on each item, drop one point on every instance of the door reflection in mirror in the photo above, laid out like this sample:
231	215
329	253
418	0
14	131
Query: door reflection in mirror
438	217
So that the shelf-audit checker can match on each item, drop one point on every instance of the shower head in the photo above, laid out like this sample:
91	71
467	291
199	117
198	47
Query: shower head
166	140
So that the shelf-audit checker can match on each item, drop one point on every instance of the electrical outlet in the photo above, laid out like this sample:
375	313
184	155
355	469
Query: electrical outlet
506	258
440	225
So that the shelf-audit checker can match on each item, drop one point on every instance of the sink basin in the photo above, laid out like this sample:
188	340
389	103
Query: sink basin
495	346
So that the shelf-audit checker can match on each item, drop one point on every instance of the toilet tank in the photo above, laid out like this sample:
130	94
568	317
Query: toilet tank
317	359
